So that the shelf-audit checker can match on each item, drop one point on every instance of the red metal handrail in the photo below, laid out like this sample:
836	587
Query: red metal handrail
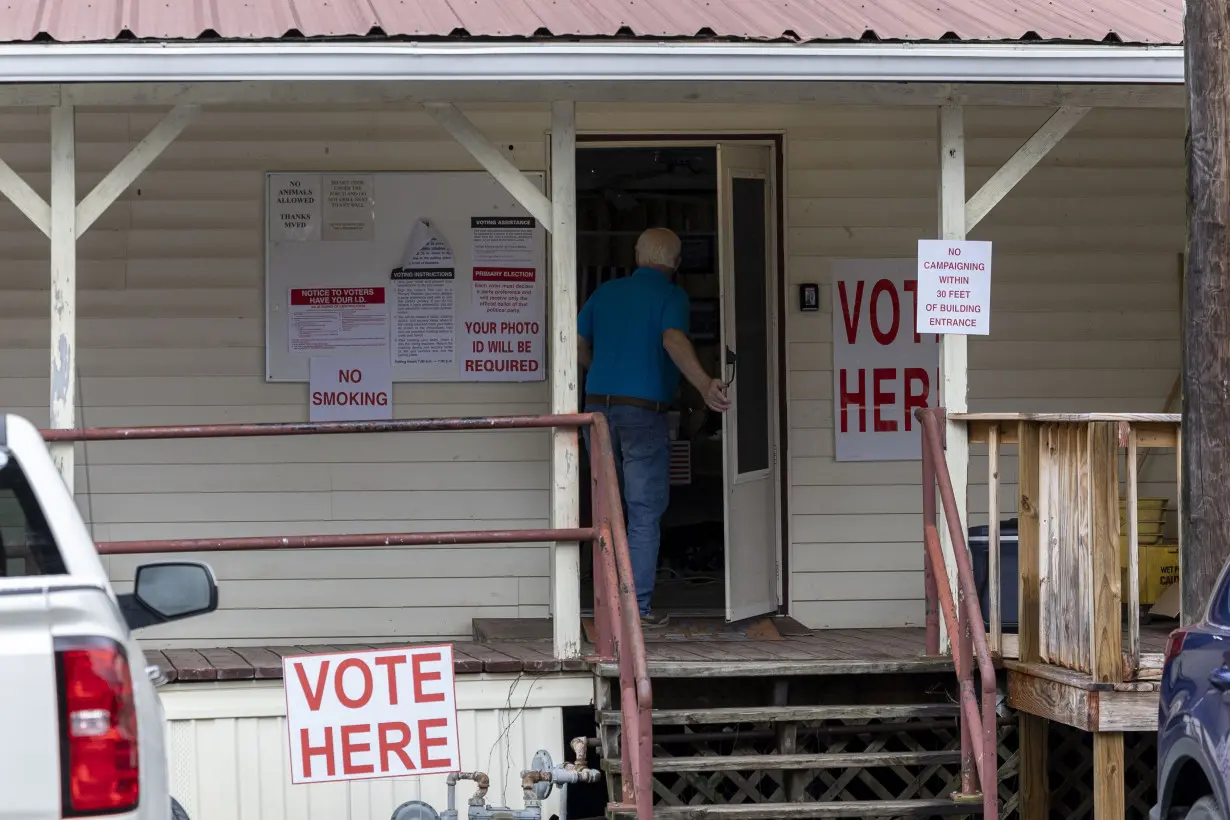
635	692
616	614
963	619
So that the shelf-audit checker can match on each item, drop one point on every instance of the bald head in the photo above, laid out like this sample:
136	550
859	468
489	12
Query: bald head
659	248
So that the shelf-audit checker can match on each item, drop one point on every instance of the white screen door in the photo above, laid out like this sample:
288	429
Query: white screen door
748	233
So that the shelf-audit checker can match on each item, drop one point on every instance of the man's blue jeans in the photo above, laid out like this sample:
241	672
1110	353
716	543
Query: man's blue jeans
640	439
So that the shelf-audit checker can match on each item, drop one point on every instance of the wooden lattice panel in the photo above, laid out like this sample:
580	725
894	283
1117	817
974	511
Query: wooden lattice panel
1070	773
835	737
1009	771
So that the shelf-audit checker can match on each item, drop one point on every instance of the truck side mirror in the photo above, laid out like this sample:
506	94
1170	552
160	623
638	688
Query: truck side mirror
168	592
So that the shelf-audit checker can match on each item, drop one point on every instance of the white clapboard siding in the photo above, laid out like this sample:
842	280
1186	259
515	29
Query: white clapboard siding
228	752
1084	318
171	330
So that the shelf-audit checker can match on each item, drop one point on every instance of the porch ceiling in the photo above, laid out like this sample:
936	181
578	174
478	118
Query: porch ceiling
1114	21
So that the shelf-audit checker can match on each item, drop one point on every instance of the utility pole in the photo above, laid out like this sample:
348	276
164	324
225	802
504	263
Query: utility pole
1205	441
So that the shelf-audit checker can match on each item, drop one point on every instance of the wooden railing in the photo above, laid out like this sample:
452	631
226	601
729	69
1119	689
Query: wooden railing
616	615
1071	593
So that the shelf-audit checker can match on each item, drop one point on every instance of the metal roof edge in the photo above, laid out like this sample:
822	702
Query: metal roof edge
956	62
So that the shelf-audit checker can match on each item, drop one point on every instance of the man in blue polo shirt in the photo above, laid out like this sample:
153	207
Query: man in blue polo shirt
633	339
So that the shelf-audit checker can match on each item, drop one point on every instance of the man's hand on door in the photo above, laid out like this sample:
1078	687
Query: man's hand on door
715	396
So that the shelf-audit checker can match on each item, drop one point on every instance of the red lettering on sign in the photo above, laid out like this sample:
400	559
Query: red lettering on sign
911	287
349	748
346	700
915	392
884	286
426	743
398	747
882	397
851	314
309	751
849	397
915	398
504	274
313	695
851	322
337	296
391	661
419	676
353	398
501	366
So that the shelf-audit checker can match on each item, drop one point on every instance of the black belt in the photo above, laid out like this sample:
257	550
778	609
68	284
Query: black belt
627	401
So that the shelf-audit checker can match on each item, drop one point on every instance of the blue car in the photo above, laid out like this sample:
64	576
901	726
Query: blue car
1193	742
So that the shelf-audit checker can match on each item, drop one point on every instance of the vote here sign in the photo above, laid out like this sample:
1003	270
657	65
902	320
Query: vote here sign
370	714
883	368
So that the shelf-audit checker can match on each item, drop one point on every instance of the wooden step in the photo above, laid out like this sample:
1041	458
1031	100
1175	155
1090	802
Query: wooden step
746	763
789	714
937	807
783	668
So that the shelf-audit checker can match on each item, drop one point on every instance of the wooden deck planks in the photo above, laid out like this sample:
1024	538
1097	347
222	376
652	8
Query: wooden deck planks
823	652
264	663
156	658
190	665
228	664
492	660
853	650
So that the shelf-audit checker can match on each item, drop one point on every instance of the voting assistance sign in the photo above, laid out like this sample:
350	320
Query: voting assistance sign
371	714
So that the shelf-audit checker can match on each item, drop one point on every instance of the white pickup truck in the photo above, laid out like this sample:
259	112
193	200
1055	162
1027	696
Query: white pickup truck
82	731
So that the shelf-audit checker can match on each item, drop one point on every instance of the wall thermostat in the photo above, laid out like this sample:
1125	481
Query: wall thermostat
809	297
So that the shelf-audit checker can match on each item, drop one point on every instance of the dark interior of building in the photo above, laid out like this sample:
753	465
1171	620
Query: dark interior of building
620	193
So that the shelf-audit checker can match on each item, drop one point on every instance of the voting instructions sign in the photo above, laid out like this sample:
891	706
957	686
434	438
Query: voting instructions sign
370	714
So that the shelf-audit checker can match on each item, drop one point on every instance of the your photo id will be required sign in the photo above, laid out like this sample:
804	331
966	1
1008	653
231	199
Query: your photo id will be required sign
371	714
954	287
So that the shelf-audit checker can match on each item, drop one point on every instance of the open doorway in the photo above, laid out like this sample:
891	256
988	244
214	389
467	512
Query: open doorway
620	193
722	533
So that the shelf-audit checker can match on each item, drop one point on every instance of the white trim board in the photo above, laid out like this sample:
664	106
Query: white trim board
580	62
255	699
393	92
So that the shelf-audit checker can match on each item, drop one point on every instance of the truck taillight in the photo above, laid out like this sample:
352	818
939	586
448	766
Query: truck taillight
98	728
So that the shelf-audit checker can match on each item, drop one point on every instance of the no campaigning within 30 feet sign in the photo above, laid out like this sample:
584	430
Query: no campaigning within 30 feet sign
954	287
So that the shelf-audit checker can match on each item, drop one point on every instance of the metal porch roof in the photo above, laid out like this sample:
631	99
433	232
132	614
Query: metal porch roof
1157	22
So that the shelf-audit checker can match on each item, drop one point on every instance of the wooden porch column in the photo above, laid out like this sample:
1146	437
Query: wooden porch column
954	373
63	220
63	283
558	216
1204	497
565	476
1106	640
1033	731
